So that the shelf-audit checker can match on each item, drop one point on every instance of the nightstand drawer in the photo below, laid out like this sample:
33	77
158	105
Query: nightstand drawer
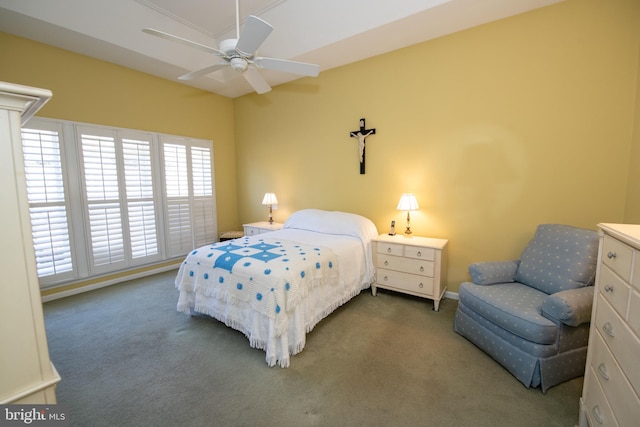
407	265
417	252
390	248
408	282
252	231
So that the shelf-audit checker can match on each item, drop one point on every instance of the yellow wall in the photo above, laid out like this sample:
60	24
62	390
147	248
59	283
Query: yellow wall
632	212
495	129
92	91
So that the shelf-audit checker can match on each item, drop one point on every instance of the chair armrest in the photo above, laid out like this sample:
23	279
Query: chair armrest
571	307
491	272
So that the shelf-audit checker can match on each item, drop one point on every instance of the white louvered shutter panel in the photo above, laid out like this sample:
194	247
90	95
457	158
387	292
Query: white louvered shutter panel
204	215
176	172
103	200
47	203
141	212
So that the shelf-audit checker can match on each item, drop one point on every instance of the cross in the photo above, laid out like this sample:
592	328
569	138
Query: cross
361	134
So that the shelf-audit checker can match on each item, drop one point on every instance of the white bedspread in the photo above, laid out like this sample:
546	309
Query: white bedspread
275	287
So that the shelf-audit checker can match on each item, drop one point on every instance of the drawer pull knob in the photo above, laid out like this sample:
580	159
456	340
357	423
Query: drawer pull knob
386	263
388	250
419	253
611	255
608	288
608	329
421	286
602	370
595	411
386	278
421	269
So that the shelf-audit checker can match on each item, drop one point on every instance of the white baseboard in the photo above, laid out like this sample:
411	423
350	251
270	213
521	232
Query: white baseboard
451	295
98	285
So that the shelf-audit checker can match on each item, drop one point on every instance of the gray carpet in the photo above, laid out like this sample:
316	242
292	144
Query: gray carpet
128	358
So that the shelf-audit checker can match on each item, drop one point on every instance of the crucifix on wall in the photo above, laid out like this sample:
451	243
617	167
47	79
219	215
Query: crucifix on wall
362	134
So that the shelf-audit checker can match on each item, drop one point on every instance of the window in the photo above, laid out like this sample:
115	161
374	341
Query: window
134	197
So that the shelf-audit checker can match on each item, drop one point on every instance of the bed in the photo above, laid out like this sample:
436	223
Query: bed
275	287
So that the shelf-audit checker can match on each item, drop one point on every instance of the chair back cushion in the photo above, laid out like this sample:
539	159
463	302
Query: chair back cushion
558	258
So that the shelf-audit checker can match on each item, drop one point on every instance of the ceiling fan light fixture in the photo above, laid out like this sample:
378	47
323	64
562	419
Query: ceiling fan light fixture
239	64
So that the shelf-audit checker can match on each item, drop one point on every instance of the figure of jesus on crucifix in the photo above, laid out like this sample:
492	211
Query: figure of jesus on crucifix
362	134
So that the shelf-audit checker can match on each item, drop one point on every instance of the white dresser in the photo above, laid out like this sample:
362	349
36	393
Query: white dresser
412	265
260	227
612	375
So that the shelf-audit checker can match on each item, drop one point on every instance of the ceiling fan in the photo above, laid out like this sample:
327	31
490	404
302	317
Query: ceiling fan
241	54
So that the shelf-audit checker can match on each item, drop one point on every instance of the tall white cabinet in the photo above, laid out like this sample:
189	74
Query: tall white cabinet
27	375
610	396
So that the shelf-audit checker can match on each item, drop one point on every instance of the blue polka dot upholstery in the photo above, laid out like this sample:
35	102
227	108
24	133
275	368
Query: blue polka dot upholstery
532	315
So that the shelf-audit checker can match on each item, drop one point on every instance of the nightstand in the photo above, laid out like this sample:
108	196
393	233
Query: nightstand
412	265
260	227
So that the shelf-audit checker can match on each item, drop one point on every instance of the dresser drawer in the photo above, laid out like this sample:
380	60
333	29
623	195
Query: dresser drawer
619	338
410	283
617	256
634	313
614	290
407	265
390	248
622	399
598	409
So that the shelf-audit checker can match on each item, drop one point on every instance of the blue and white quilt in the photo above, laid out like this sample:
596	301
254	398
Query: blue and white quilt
276	287
271	275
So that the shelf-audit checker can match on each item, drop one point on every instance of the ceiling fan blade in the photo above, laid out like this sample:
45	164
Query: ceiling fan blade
253	34
256	81
203	71
180	40
301	68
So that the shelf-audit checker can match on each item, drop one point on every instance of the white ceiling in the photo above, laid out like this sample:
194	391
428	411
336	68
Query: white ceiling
329	33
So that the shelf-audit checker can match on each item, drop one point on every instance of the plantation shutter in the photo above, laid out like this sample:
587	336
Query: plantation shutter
141	210
176	172
47	202
203	203
190	204
102	194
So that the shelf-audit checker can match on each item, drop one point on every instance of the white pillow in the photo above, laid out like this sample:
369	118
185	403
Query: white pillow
333	222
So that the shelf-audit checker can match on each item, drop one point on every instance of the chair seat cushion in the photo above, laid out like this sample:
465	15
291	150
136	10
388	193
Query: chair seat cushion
512	306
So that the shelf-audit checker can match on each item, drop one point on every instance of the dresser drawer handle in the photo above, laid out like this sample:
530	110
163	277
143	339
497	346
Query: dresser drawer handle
608	288
421	286
602	370
388	250
419	253
608	329
421	269
386	263
386	278
595	411
611	255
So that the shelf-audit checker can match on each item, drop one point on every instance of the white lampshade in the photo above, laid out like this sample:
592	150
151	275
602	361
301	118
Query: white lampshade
269	199
408	203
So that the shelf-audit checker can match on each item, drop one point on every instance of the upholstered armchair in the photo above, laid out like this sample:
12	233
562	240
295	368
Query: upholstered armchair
532	315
